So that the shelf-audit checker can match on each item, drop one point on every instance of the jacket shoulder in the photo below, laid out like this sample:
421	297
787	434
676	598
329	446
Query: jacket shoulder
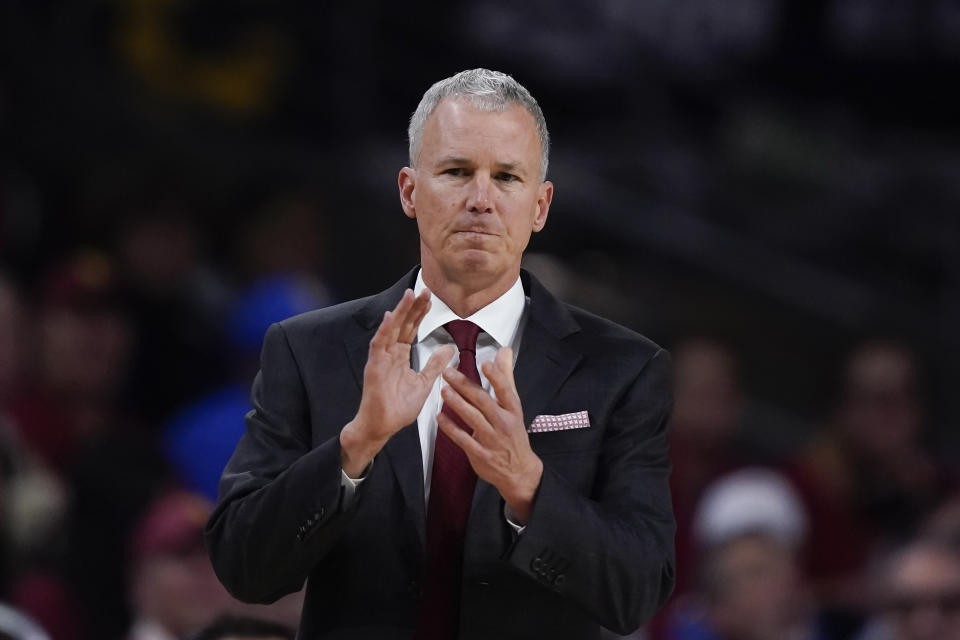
331	321
607	333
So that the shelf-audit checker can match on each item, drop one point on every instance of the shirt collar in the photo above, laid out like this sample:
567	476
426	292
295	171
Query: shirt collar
499	319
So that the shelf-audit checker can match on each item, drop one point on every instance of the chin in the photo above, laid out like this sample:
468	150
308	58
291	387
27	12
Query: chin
476	262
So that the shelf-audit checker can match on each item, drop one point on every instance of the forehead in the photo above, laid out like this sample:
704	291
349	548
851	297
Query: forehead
459	129
925	569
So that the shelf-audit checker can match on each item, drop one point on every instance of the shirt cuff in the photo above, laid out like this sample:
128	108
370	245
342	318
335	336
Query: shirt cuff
349	486
508	516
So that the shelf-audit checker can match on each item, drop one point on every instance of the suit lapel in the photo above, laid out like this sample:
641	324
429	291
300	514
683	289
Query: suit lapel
403	449
543	364
546	357
368	318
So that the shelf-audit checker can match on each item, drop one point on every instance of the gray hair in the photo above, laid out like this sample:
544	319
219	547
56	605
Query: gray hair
484	89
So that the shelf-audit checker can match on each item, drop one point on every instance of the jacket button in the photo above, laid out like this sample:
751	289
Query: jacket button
559	580
413	588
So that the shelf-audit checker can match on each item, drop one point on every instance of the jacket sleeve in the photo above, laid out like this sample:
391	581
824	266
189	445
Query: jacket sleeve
611	553
279	508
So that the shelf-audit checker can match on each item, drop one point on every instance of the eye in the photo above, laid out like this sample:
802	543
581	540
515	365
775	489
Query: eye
457	172
507	177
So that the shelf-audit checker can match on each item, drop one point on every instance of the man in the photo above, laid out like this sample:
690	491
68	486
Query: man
172	591
534	507
243	628
920	593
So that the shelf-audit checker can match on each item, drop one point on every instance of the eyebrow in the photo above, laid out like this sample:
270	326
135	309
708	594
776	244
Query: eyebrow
457	160
452	160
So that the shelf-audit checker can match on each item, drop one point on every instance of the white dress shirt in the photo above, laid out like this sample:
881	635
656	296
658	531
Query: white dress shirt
499	323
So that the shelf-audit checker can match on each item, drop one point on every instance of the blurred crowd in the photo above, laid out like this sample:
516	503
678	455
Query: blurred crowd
123	381
855	535
124	378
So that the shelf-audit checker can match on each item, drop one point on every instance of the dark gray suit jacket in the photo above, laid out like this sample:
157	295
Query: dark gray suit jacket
597	549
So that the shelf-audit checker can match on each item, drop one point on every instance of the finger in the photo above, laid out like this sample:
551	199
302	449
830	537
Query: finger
500	374
398	315
472	392
419	308
437	362
469	413
461	438
381	339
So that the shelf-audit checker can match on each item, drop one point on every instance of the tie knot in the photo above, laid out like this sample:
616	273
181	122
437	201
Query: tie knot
464	333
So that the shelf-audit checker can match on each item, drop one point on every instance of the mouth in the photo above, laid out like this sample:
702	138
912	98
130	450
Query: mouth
481	232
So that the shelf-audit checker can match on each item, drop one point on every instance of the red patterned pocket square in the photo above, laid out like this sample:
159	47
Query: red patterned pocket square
577	420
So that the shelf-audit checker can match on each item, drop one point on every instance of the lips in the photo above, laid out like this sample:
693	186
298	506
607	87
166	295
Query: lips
479	231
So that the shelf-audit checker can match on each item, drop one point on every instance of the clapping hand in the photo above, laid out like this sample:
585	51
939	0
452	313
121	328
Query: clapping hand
499	448
393	393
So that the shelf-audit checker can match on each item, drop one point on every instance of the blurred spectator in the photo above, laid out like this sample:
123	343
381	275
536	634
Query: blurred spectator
11	338
174	591
943	525
708	410
177	302
69	413
286	235
749	529
84	342
871	478
237	628
15	626
285	612
32	500
919	594
200	438
748	501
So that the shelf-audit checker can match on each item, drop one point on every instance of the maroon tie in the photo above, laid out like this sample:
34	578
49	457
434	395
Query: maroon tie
451	492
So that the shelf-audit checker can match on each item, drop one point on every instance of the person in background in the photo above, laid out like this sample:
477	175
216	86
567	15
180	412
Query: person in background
16	626
66	411
749	530
707	414
173	589
11	320
176	301
870	480
11	340
918	597
199	438
84	339
242	628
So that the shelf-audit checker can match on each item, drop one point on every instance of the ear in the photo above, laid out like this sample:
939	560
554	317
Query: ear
407	181
544	198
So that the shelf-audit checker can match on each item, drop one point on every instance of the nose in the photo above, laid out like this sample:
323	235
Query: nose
479	198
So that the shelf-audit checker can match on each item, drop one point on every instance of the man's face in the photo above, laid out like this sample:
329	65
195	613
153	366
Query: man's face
924	596
476	192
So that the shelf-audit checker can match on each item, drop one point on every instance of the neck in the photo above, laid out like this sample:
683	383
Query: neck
466	297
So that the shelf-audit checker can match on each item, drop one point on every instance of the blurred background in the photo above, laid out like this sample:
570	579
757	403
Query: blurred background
769	188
